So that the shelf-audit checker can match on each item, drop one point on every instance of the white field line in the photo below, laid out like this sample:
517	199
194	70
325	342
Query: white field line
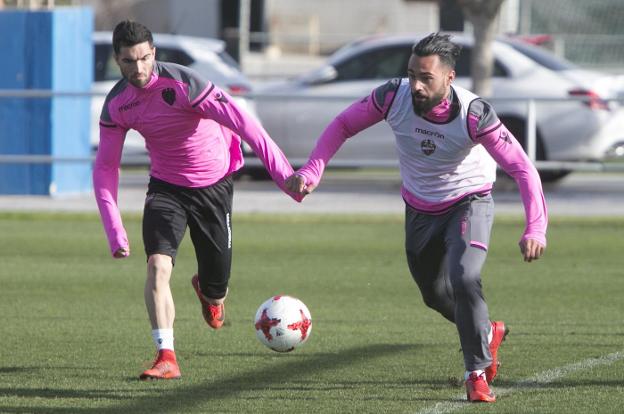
535	381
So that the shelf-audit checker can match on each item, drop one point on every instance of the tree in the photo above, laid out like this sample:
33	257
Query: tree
483	15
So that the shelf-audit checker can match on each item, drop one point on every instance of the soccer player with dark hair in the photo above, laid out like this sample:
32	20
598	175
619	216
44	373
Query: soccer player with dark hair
193	133
448	142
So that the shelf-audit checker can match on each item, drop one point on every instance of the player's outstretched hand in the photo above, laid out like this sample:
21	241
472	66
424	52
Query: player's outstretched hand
296	184
531	249
121	253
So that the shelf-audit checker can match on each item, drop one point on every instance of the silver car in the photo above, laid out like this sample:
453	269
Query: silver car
569	128
207	56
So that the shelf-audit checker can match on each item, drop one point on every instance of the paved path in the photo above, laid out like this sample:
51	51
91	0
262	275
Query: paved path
361	192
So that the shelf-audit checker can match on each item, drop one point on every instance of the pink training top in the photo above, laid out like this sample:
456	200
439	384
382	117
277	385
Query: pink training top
192	132
481	124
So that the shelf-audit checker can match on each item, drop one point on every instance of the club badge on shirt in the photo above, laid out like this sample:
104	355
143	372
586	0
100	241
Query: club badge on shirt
427	146
169	95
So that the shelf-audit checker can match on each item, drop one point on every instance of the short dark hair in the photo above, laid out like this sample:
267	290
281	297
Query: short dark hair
438	44
129	33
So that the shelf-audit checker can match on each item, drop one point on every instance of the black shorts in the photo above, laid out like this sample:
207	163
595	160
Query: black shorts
207	211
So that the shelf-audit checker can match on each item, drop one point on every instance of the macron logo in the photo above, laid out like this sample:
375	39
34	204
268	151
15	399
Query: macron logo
129	106
429	133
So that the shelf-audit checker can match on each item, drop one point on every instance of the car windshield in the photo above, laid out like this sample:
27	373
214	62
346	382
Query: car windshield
540	56
106	68
391	61
229	60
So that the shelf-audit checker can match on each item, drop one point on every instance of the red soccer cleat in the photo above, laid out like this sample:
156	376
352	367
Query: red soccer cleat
478	390
165	367
499	333
213	314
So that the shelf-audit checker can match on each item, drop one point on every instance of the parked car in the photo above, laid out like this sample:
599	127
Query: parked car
295	112
605	86
206	56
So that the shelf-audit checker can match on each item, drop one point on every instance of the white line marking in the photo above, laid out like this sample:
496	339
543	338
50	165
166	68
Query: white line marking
535	381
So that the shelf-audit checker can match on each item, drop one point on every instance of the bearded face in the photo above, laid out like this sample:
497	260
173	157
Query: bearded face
137	63
430	80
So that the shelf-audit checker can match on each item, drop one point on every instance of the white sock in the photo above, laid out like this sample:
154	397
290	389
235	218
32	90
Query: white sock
490	335
163	338
478	372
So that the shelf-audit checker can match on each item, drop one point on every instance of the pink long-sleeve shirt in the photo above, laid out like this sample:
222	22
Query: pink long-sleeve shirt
192	132
444	156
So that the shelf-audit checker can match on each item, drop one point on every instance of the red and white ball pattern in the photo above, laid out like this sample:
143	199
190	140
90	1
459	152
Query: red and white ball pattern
283	323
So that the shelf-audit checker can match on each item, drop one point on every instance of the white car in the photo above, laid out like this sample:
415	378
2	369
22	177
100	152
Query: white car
295	112
603	85
206	56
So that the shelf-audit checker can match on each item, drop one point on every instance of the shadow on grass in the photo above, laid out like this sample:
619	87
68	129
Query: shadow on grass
188	398
48	393
184	398
566	384
16	370
42	410
292	375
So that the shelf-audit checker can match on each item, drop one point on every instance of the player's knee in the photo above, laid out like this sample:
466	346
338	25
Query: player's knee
431	299
159	268
467	285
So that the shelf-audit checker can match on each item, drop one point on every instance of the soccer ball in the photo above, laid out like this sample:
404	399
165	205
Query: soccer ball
283	323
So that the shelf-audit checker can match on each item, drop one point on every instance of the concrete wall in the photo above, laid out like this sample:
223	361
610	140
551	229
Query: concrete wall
189	17
311	26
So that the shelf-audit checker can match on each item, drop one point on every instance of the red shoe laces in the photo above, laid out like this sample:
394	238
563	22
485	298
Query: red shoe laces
156	363
479	383
215	311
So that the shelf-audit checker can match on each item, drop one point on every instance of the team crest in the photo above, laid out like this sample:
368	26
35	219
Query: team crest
169	95
427	146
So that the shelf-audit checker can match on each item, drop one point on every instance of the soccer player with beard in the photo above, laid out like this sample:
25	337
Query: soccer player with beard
193	133
448	142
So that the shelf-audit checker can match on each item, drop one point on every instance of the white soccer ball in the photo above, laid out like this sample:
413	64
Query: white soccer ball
283	323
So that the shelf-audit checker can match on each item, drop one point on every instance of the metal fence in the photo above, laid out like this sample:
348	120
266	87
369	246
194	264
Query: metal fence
530	138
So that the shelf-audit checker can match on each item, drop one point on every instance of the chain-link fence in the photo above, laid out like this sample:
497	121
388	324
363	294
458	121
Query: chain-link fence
587	32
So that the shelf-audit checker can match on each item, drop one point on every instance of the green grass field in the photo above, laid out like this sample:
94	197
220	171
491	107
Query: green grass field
75	334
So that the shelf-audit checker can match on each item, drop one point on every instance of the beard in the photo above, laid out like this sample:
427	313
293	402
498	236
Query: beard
138	82
133	77
423	104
